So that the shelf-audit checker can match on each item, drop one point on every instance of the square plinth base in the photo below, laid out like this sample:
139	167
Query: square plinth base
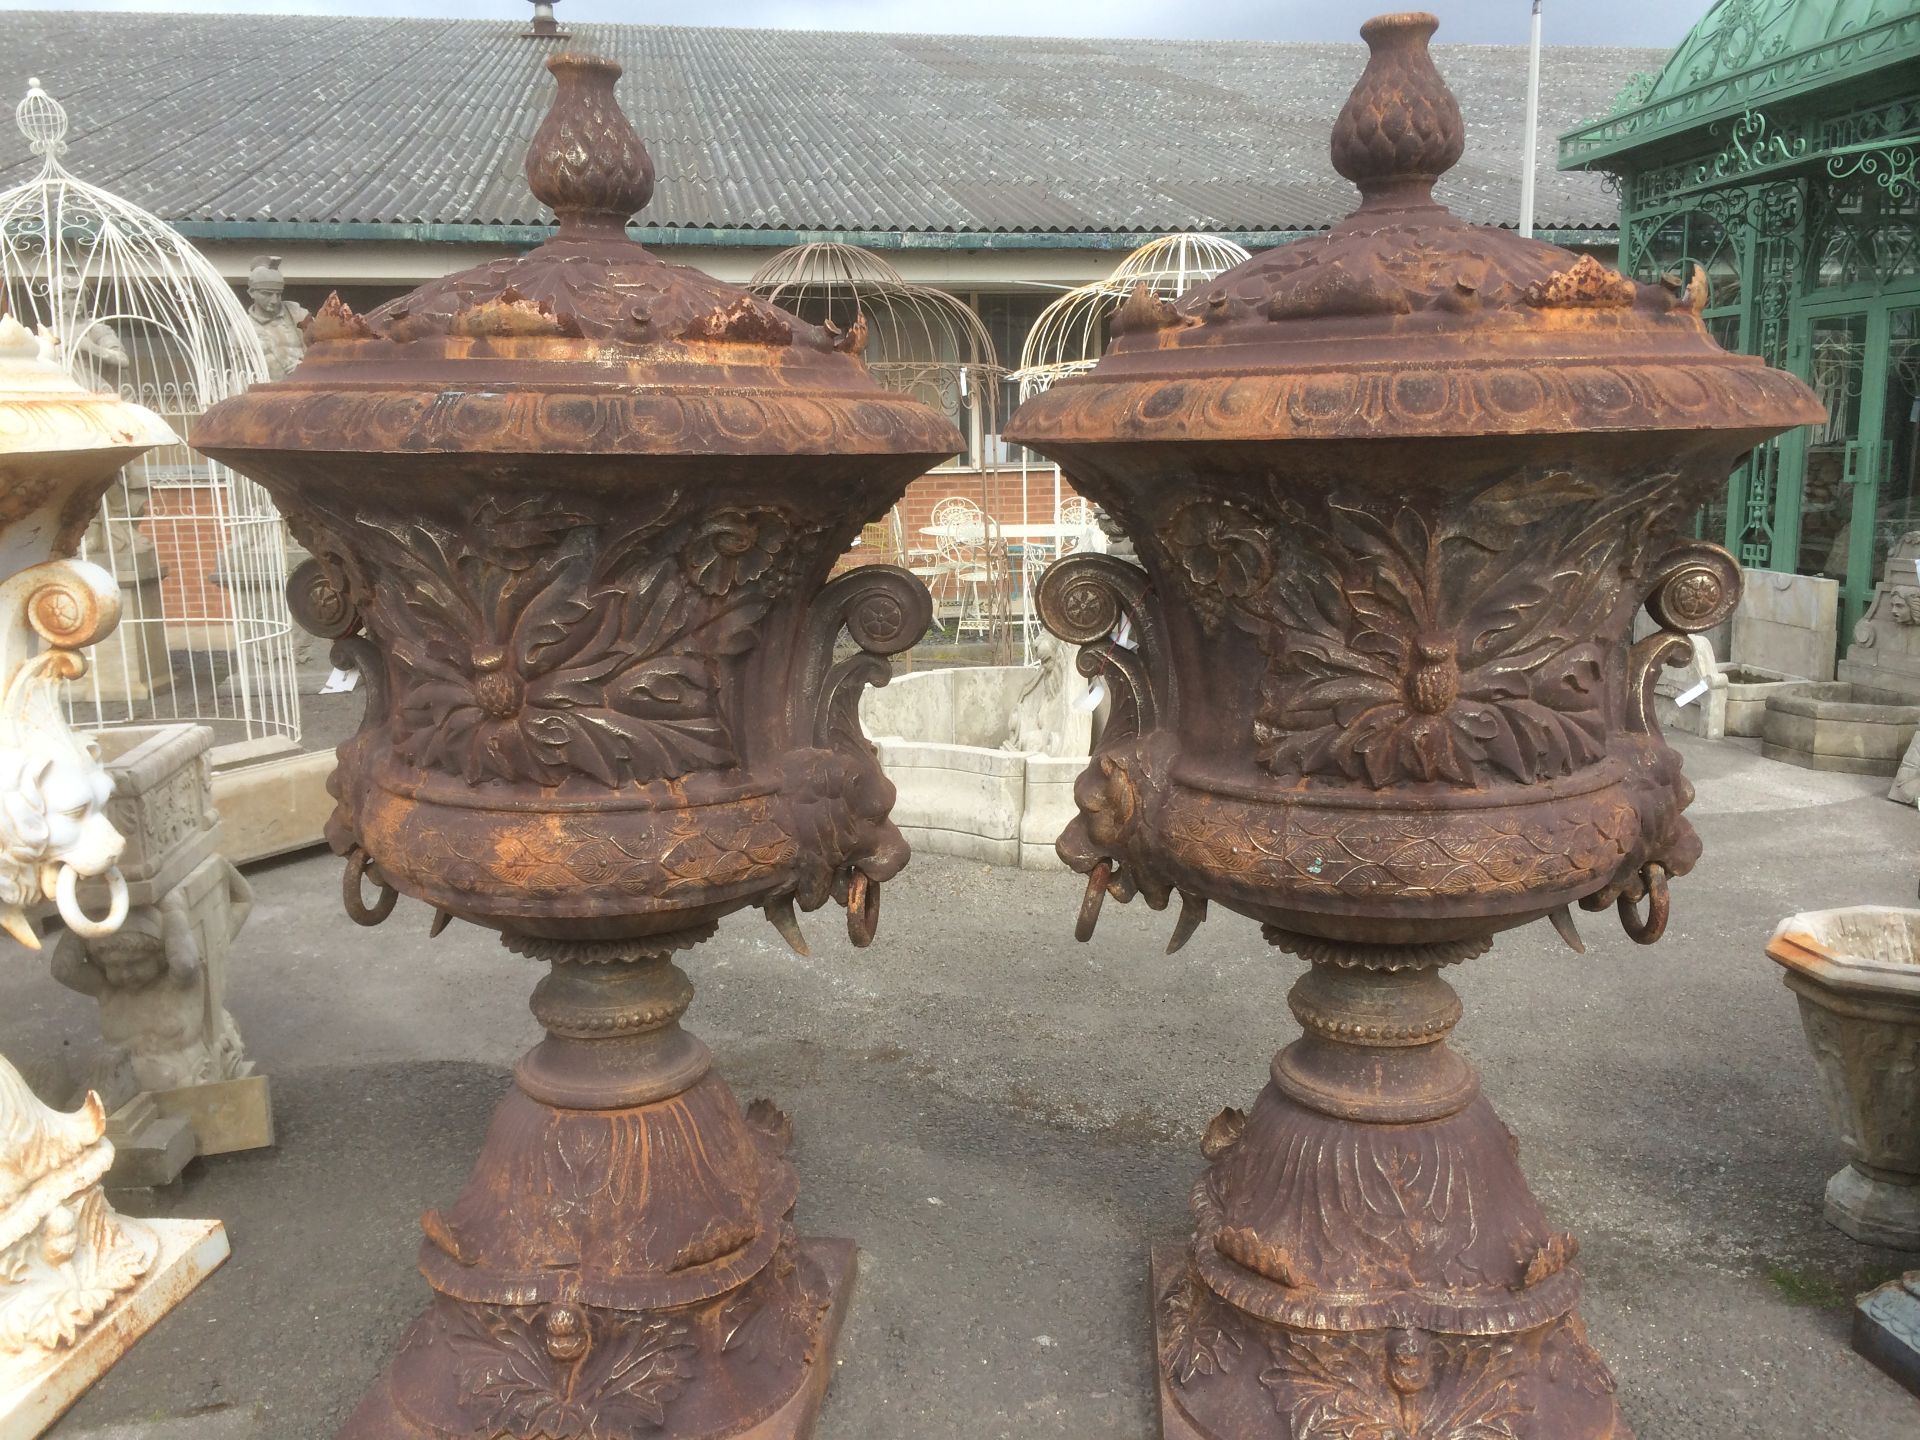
1168	1261
33	1396
795	1420
380	1416
227	1115
1886	1329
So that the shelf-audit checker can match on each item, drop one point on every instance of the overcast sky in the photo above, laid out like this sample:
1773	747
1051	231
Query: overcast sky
1568	22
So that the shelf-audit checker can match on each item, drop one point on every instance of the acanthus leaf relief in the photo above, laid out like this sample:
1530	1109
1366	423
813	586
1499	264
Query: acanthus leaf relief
1408	647
530	1373
1404	1385
543	642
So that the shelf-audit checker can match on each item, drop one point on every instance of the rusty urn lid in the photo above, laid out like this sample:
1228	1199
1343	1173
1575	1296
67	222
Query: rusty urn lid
1405	321
587	345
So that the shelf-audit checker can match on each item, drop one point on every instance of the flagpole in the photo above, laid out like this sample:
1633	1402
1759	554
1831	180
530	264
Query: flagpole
1533	126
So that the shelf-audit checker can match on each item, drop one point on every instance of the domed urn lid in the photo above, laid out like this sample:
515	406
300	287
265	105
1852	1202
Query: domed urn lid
587	345
1406	322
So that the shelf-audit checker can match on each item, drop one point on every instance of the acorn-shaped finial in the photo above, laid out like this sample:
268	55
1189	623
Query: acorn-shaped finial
1400	129
587	163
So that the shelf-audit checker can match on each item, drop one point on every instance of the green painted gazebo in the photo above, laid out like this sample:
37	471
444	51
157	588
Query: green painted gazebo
1778	149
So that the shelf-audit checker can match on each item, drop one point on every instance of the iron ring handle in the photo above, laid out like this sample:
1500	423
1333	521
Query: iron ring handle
863	909
1654	886
1098	879
360	865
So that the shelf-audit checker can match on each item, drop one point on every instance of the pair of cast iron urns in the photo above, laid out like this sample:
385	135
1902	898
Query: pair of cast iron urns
1398	492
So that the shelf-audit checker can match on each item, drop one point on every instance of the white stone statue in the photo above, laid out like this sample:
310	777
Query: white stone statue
277	318
1048	719
78	1283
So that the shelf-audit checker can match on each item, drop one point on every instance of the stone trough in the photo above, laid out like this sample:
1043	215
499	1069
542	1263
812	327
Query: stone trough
1720	699
1837	725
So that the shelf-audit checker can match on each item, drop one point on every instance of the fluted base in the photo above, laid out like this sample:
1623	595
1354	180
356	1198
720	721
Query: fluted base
1368	1259
648	1360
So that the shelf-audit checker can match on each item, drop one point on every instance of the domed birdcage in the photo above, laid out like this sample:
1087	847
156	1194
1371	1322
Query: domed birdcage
1071	334
929	344
126	304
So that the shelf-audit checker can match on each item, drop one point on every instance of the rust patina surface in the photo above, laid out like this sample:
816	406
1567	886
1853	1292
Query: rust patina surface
1398	493
573	516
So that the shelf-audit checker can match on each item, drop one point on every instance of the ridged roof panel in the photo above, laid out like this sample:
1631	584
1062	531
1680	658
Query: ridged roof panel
335	120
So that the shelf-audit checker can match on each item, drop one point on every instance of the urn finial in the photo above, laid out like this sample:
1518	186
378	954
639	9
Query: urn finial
1401	128
587	163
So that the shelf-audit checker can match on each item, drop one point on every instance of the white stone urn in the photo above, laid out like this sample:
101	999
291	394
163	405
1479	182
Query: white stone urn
1856	972
78	1282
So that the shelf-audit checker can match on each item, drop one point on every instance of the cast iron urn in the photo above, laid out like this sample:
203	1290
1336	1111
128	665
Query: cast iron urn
1398	493
573	516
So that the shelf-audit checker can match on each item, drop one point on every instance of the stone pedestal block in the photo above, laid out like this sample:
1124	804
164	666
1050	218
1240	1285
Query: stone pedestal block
1886	1329
38	1391
1788	623
1885	652
161	979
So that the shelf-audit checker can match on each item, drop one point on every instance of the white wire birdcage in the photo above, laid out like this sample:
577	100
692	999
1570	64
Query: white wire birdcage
1071	335
130	306
922	342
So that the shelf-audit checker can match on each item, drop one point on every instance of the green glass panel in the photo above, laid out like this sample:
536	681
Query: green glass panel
1838	375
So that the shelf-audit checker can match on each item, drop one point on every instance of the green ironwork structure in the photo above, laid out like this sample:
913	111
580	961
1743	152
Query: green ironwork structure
1778	148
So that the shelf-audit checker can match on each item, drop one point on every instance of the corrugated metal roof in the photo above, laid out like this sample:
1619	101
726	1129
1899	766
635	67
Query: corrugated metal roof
336	120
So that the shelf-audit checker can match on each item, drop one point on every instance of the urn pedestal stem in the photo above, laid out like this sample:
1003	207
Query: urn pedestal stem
574	514
624	1252
1367	1251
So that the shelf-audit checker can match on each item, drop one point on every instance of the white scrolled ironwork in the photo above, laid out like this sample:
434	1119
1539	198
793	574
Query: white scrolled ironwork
130	307
921	341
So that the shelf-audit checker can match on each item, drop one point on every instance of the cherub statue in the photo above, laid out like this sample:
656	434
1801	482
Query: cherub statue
162	1009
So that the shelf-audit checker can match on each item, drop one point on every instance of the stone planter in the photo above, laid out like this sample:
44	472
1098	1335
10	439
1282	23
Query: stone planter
1840	726
78	1282
1856	973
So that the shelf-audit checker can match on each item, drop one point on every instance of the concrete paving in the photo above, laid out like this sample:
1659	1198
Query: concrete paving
1006	1120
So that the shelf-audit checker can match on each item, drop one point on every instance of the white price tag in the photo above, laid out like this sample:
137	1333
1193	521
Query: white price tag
340	682
1096	692
1123	633
1688	696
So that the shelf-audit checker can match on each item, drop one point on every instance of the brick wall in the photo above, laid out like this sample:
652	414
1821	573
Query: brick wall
182	523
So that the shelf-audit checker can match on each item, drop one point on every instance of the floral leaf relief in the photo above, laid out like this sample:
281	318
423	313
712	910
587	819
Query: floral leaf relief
1197	1339
1342	1387
608	1376
1454	648
542	641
